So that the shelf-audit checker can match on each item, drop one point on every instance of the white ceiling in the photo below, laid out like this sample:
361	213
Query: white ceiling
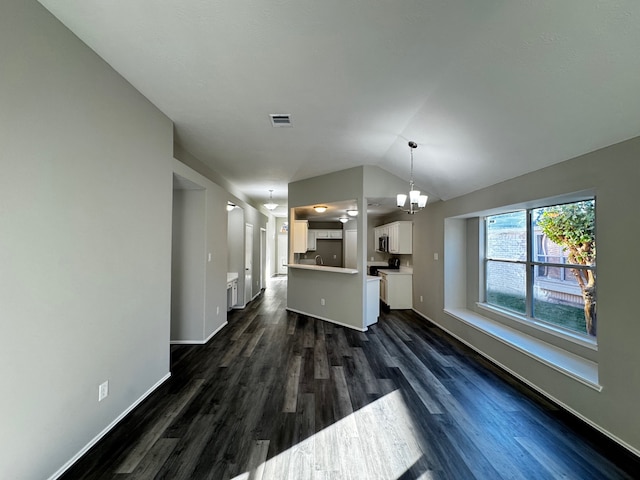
488	89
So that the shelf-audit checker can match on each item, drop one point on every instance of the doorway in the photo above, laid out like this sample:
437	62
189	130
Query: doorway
187	266
248	262
263	258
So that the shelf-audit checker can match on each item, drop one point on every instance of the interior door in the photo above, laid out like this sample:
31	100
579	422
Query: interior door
283	254
263	258
248	262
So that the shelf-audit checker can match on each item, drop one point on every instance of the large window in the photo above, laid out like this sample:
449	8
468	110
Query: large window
540	265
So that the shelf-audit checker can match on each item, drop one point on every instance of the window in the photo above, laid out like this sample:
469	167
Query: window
540	265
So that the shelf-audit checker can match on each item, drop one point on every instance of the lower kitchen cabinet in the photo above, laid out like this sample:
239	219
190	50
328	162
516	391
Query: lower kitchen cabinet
396	289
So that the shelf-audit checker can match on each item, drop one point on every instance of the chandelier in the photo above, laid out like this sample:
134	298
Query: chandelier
416	201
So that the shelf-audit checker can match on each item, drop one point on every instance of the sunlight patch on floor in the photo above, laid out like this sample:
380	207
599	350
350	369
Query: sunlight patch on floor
379	441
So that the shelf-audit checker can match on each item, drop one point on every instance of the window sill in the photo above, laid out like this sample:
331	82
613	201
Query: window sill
580	369
548	328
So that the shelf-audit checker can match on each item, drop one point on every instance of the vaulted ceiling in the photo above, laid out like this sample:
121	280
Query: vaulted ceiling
488	89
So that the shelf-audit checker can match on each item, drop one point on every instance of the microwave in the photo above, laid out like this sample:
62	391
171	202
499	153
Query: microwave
383	243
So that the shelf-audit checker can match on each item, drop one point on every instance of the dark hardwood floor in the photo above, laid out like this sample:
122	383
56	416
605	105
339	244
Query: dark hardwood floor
277	395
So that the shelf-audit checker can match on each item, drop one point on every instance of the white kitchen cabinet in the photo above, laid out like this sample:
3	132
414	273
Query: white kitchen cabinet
311	240
316	234
396	289
372	303
327	234
232	290
299	236
400	237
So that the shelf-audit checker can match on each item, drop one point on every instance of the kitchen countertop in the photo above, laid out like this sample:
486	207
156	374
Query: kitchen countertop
323	268
402	271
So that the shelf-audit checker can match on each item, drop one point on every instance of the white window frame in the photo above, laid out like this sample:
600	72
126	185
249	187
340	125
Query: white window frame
527	319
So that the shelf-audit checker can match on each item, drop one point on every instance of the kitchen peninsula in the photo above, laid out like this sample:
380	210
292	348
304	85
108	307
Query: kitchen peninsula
323	268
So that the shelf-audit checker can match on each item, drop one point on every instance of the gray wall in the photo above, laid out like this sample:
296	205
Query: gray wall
343	294
235	248
85	229
187	267
612	174
202	224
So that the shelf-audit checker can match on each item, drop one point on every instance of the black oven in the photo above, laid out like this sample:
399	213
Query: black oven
392	264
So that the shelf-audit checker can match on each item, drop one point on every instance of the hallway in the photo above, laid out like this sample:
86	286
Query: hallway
277	395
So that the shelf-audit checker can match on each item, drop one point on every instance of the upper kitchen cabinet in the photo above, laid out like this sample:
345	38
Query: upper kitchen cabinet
328	234
311	240
399	237
299	236
314	235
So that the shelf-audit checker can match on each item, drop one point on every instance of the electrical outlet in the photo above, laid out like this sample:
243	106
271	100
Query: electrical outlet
421	298
103	391
209	256
407	263
435	256
322	302
217	310
372	259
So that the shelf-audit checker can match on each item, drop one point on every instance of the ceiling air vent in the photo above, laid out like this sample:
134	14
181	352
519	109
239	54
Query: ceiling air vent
280	119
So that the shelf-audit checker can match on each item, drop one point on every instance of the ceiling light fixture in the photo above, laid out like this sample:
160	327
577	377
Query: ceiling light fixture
343	219
270	205
352	213
416	201
320	208
230	206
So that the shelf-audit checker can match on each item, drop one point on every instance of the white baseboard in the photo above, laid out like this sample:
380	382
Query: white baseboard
98	437
213	334
327	320
198	342
544	393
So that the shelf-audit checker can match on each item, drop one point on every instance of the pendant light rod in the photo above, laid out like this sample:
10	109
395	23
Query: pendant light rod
416	201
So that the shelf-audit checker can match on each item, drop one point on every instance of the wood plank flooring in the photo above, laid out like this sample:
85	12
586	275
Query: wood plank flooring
277	395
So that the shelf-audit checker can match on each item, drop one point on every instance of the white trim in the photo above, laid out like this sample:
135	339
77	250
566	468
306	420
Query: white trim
559	332
576	367
327	320
98	437
198	342
566	407
216	331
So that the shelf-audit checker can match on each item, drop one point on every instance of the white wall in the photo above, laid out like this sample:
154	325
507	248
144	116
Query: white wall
613	174
85	236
